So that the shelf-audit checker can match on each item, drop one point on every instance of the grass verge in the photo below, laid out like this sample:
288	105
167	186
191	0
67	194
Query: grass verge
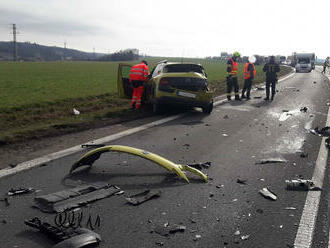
39	100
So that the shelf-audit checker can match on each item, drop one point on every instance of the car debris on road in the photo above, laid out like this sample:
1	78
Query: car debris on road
301	185
20	191
265	192
200	166
75	197
271	161
142	197
73	238
92	145
90	157
325	131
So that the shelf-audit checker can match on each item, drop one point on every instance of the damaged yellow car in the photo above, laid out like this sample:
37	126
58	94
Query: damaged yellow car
171	84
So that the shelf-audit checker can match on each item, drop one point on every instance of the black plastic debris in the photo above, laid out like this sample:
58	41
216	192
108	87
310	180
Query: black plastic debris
5	200
177	228
200	166
325	131
271	161
301	185
75	197
304	155
92	145
143	197
257	97
241	181
303	109
20	191
265	192
70	238
260	88
327	142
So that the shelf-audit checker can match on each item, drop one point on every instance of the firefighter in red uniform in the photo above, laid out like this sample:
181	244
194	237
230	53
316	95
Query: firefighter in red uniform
232	70
249	74
138	75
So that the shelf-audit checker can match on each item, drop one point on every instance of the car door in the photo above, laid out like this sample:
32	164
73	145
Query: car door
123	85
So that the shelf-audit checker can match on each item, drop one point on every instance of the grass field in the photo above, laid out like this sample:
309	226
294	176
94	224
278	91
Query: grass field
37	98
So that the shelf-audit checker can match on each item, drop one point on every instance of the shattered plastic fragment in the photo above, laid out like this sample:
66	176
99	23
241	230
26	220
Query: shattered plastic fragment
197	237
265	192
245	237
271	161
241	181
200	166
225	135
143	197
20	191
237	233
75	111
177	228
92	145
290	208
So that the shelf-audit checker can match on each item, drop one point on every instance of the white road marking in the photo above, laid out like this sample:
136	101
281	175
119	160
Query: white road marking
53	156
304	237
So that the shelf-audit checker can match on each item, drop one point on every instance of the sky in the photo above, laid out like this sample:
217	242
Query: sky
173	28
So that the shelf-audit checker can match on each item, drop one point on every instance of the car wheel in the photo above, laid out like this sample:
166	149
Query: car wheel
208	109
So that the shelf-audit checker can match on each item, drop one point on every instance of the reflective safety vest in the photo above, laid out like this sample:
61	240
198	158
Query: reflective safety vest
247	74
139	72
234	67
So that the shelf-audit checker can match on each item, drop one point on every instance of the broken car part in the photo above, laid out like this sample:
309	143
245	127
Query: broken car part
265	192
303	109
75	197
80	237
241	181
143	197
90	157
325	131
5	200
20	191
92	145
300	184
271	161
200	166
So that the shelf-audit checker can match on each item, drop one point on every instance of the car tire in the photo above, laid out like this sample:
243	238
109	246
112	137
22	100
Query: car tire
208	109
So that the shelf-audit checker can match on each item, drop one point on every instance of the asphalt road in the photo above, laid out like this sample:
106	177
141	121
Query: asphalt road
233	138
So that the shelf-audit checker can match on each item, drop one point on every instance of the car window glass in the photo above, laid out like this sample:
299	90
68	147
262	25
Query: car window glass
183	68
157	70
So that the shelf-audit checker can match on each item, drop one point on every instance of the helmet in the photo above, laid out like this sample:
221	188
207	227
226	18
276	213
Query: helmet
236	54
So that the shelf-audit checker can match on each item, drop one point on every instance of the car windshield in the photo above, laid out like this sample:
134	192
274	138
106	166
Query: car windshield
303	60
183	68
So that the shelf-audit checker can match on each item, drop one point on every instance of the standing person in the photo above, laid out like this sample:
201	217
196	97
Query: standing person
138	75
232	82
249	74
271	69
325	65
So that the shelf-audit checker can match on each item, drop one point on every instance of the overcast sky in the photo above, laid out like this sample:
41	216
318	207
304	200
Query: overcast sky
187	28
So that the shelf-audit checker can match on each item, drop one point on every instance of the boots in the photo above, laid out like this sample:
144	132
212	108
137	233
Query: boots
237	98
229	98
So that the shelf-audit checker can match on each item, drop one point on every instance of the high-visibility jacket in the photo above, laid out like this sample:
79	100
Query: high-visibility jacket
234	67
247	73
139	72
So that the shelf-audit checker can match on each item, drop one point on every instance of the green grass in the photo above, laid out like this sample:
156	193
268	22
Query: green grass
37	98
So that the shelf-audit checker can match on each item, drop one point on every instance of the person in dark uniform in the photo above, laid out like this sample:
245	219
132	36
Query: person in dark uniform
271	69
232	70
249	74
325	65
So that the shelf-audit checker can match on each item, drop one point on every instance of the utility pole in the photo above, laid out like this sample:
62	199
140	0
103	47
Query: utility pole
14	43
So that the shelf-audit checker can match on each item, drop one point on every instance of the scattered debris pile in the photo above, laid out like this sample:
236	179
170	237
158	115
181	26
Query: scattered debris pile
301	185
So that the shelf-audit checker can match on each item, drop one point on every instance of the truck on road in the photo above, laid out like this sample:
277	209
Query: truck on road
304	62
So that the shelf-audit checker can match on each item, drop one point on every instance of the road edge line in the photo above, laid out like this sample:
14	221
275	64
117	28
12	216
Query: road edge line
304	236
69	151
